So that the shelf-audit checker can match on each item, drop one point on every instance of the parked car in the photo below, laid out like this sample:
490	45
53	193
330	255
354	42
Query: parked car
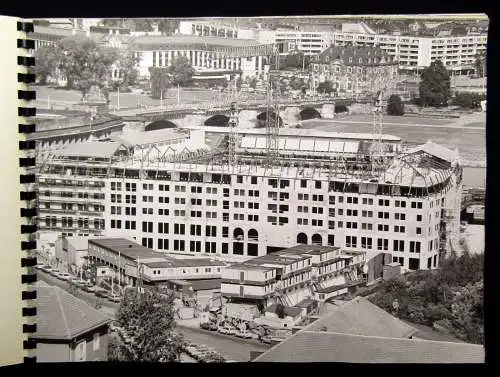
89	288
46	269
64	276
54	272
115	297
101	293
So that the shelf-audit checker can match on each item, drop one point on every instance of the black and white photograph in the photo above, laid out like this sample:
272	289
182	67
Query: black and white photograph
261	189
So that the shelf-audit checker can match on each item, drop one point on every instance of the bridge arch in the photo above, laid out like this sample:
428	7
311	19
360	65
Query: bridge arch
262	117
159	125
218	120
309	113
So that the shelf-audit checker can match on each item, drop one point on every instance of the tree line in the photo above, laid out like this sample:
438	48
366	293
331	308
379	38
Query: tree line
450	298
83	63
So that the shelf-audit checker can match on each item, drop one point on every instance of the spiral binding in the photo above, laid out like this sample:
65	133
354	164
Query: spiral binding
27	164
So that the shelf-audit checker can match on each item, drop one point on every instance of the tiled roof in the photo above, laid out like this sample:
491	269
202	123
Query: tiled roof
355	55
62	316
318	346
360	317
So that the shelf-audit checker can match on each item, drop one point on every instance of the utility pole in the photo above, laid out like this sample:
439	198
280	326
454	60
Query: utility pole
178	95
118	106
161	98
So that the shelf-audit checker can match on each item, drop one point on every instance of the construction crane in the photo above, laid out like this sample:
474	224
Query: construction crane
272	127
378	147
233	135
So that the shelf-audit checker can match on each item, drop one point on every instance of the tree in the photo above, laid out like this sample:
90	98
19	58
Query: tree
148	319
252	82
295	60
395	106
239	81
126	64
459	31
463	100
434	87
46	63
325	87
160	81
85	64
181	71
480	65
467	313
280	311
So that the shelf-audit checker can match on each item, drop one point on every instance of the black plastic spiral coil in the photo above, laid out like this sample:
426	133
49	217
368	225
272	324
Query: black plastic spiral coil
29	195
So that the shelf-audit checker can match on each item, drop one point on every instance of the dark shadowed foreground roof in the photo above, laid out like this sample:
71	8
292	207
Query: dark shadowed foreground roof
62	316
317	346
361	332
360	317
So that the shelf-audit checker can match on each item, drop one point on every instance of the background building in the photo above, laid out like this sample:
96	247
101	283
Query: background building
412	52
356	70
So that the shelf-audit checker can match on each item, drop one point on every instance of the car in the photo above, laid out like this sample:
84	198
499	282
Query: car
101	293
89	288
46	269
54	272
39	266
64	276
115	297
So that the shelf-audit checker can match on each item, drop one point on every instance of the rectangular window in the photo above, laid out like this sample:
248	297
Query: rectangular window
96	344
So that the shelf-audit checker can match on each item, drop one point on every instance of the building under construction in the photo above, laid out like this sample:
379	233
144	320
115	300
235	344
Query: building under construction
216	191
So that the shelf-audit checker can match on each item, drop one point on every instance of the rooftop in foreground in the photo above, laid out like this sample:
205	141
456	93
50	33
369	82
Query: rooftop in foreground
319	346
62	316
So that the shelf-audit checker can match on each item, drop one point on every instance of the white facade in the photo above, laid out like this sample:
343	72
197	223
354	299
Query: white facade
457	53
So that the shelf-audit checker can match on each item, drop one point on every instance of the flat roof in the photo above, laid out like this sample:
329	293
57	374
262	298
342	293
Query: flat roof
194	39
96	149
126	247
311	249
150	137
151	258
301	132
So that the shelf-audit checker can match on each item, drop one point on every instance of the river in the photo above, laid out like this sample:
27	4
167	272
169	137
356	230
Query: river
474	177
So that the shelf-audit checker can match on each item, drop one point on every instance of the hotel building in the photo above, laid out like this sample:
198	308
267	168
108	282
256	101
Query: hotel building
182	196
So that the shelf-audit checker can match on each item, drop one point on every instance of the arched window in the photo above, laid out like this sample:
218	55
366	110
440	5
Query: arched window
238	234
302	238
317	240
253	235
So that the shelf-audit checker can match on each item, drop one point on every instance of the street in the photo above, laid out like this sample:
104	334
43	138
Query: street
232	349
108	307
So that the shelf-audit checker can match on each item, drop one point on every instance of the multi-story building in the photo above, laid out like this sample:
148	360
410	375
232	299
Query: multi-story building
127	261
355	70
214	55
292	275
458	53
326	190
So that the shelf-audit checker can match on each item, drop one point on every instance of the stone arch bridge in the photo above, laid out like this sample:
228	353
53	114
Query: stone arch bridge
290	115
